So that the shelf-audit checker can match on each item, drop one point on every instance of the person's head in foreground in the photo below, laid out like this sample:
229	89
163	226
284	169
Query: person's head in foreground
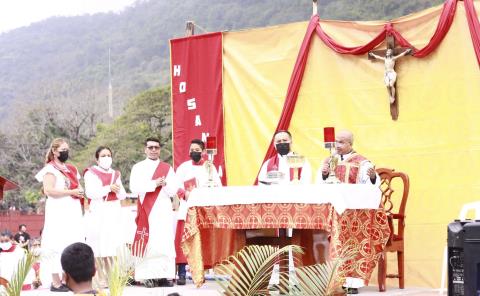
78	263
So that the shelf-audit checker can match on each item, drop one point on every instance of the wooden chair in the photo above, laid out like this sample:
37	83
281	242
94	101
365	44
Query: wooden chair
395	187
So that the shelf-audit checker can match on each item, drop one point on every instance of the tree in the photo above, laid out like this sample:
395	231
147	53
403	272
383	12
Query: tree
147	114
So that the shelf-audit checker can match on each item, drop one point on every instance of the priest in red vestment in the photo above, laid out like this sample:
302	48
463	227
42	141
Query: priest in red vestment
352	168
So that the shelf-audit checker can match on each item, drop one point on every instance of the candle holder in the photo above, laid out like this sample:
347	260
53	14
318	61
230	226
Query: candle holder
211	149
329	140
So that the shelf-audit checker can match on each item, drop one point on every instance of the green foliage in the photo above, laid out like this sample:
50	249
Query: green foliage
70	54
250	269
148	114
54	75
32	196
24	266
371	9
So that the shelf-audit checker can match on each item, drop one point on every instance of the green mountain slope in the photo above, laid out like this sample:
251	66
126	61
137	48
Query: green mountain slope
66	58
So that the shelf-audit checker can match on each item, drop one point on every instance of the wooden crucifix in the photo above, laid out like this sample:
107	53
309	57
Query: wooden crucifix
389	56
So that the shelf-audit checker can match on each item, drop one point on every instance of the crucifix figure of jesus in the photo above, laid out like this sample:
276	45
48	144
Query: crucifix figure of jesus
390	55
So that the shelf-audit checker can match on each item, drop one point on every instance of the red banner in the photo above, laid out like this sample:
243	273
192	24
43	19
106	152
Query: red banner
197	104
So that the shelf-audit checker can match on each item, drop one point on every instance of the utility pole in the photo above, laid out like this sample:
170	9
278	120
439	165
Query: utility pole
110	91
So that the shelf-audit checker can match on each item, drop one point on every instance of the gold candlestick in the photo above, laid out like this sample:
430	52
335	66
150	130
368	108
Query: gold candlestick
332	179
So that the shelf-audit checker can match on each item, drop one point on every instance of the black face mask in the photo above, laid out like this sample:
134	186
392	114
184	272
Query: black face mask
196	156
63	156
283	148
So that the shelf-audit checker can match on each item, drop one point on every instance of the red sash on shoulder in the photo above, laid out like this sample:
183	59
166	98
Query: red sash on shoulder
273	166
106	179
140	240
70	173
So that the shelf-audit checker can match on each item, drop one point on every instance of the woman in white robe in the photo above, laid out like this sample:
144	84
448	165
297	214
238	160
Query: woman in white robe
63	210
103	186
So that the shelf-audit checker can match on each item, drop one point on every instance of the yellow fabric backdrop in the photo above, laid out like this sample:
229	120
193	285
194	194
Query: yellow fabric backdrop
436	139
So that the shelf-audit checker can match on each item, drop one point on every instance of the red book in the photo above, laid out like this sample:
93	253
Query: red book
190	184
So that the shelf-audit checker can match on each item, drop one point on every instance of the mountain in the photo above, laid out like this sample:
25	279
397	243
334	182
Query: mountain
64	60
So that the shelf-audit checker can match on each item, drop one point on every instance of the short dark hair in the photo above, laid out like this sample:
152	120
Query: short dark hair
21	225
78	262
99	149
6	232
282	131
152	139
198	142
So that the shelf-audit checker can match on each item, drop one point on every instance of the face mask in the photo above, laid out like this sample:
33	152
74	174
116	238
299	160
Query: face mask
63	156
5	246
196	156
105	162
283	148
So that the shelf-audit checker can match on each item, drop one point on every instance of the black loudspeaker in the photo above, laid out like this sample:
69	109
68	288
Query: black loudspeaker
456	260
471	249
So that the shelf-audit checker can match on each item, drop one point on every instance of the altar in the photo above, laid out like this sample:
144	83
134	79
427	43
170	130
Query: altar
350	213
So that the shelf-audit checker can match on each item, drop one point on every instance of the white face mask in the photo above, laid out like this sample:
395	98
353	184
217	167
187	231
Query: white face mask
5	246
105	162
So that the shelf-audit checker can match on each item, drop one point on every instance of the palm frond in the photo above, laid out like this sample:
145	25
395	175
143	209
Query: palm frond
18	278
251	268
321	279
122	268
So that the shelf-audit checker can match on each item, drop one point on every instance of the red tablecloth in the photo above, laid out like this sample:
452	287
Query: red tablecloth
210	234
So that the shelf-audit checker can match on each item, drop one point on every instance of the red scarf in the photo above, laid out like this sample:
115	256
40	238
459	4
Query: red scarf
142	233
273	166
70	172
106	179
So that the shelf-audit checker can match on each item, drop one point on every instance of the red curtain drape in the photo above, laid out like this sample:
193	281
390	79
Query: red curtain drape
444	23
443	26
294	85
474	26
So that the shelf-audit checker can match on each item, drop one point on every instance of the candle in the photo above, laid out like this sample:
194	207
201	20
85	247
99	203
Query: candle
211	143
329	134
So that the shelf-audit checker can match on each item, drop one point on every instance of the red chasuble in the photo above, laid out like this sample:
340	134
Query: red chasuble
107	180
273	166
143	211
348	170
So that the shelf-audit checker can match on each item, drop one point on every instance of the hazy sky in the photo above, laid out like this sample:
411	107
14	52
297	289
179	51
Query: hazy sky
19	13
